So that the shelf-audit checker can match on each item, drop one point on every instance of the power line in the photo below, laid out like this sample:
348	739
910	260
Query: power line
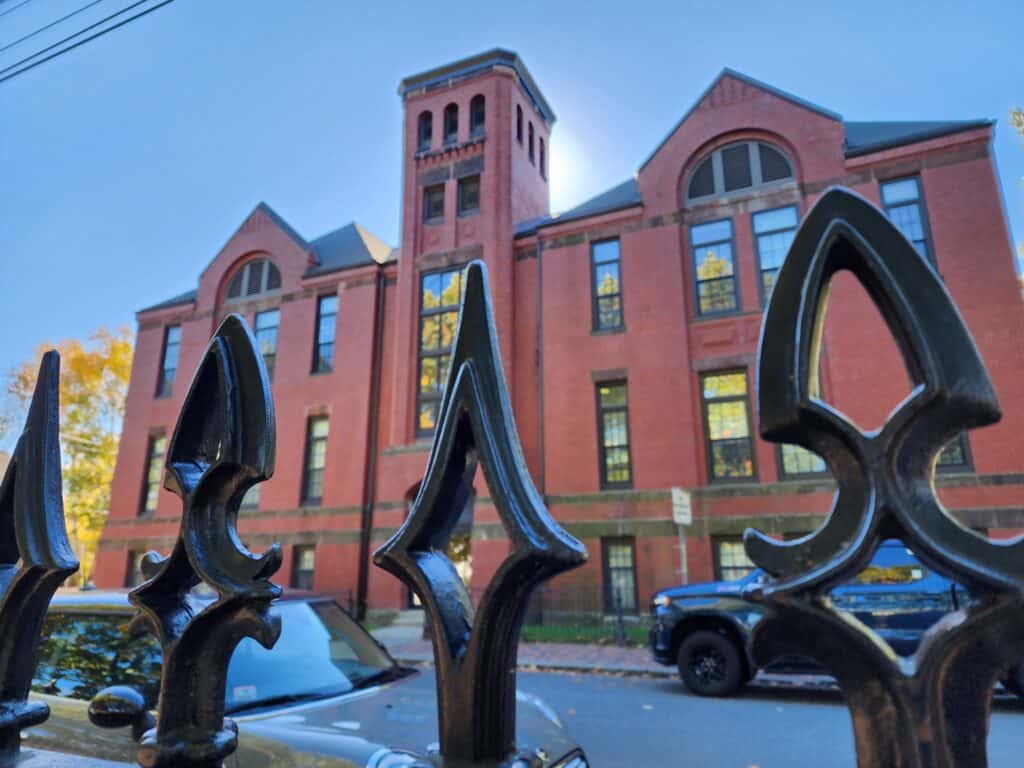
51	24
59	43
23	2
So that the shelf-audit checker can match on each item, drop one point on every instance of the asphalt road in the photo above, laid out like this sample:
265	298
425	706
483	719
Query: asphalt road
632	722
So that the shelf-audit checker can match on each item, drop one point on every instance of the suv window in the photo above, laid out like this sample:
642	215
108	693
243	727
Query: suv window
81	654
891	565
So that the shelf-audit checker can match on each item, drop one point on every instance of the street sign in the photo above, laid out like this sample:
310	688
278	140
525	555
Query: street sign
682	509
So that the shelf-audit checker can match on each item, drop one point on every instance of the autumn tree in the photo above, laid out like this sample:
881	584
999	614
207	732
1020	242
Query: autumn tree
93	387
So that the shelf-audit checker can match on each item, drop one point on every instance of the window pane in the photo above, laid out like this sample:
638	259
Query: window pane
907	219
715	261
711	232
728	420
772	249
780	218
899	191
431	291
433	202
732	458
430	333
612	395
797	460
325	329
703	180
725	385
318	427
616	462
607	250
732	560
450	293
305	558
174	334
429	381
717	295
449	325
265	320
273	277
773	165
469	194
427	417
328	305
607	278
613	429
235	286
609	313
252	497
768	278
736	167
953	454
255	284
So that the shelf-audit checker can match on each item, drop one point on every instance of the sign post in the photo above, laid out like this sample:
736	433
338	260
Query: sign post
682	515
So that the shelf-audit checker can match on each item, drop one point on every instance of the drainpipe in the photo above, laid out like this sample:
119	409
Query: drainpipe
370	473
541	478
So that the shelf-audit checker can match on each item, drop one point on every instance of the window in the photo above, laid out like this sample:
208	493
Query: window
734	167
541	160
713	266
893	563
433	203
730	558
425	131
619	566
440	293
253	278
154	474
529	144
133	576
451	124
613	435
476	117
727	425
303	561
169	366
606	280
326	319
954	457
519	124
316	460
773	233
266	337
905	208
797	460
469	195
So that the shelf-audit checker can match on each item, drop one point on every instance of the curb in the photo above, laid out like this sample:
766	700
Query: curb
562	667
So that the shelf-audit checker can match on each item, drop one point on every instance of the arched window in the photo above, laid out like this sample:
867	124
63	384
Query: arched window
476	117
519	124
425	131
253	278
451	123
529	144
540	159
738	166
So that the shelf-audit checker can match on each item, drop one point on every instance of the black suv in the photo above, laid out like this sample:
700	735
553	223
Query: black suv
705	629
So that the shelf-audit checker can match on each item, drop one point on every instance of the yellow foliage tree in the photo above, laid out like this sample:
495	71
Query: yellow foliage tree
93	386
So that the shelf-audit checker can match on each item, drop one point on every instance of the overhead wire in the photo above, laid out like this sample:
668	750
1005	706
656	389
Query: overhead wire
51	24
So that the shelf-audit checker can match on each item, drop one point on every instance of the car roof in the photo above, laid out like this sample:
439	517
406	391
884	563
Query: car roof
113	599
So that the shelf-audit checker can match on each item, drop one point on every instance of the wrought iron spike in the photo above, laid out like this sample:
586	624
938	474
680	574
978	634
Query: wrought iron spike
475	649
35	556
223	444
929	711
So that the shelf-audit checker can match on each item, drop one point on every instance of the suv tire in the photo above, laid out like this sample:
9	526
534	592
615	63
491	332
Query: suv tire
710	664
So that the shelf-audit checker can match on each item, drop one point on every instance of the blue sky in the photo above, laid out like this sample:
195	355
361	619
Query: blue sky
125	165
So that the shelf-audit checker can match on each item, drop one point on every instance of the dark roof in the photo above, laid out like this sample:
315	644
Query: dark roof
182	298
438	77
349	246
874	136
757	84
619	197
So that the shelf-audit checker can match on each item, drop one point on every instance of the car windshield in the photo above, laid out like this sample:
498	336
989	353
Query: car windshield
321	652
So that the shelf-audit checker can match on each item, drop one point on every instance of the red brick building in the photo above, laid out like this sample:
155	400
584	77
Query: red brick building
628	328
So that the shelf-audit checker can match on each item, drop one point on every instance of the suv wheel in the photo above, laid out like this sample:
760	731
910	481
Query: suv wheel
710	664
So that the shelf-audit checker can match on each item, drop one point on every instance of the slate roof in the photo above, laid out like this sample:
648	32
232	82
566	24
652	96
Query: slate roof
874	136
182	298
619	197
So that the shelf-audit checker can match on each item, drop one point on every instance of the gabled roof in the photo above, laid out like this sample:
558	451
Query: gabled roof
439	77
346	247
874	136
727	72
182	298
619	197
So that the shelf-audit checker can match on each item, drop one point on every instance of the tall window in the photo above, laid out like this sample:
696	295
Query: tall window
303	563
740	166
433	203
425	131
476	117
266	337
169	365
440	293
954	457
529	141
253	278
727	425
451	124
606	282
773	231
469	195
154	474
905	208
519	124
797	460
730	558
618	558
326	319
316	460
613	435
541	161
714	268
133	575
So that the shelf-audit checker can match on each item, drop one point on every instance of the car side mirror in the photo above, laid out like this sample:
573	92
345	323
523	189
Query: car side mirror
119	706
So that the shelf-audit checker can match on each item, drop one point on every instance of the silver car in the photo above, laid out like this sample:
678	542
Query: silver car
328	694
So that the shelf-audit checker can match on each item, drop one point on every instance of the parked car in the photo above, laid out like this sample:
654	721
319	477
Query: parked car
705	629
327	695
